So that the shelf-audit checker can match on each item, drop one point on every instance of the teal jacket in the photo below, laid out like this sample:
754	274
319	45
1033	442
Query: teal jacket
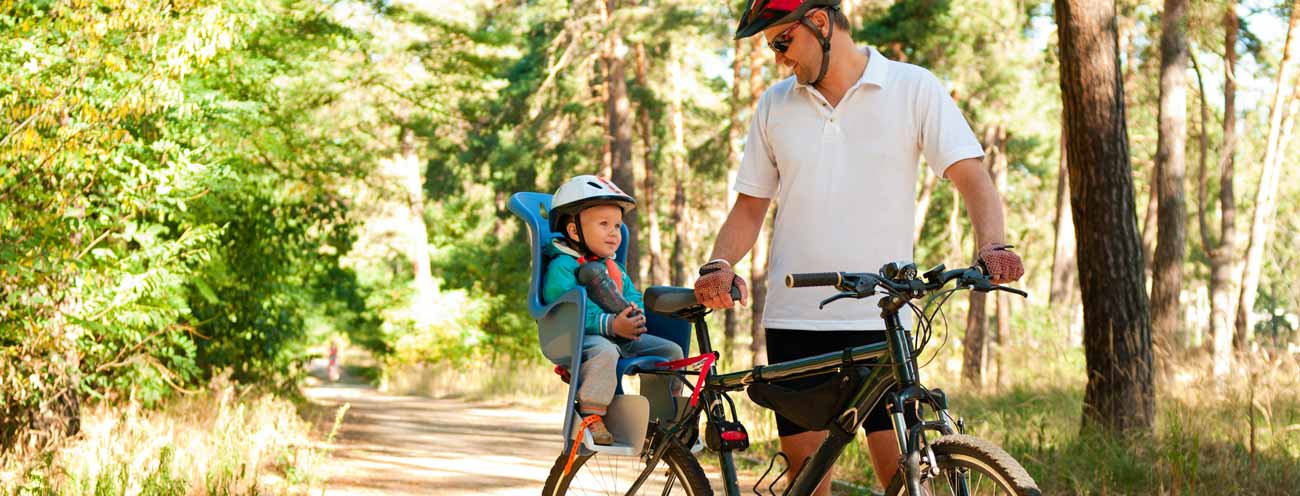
562	275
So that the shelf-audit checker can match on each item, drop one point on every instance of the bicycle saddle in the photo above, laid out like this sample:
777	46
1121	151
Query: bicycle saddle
669	300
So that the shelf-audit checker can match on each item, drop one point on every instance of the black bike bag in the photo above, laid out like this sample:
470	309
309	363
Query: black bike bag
812	408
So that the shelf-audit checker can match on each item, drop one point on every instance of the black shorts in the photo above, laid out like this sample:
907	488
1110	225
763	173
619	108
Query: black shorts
786	344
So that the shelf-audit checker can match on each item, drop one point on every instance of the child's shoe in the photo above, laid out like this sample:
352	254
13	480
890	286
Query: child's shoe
599	434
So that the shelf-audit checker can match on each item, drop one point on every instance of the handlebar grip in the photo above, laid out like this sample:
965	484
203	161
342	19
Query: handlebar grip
813	279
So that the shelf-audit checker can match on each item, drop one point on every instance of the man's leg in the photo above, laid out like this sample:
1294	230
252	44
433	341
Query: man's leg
799	448
883	447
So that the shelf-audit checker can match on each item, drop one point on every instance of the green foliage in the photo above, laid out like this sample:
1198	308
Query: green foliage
170	199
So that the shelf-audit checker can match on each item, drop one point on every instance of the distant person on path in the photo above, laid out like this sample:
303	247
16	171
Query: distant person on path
334	360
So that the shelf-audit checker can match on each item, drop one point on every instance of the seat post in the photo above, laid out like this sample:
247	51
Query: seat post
702	334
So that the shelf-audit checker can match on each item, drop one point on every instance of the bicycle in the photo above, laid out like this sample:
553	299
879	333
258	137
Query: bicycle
949	463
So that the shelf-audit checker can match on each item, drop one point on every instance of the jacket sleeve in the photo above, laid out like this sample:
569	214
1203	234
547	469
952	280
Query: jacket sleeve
561	276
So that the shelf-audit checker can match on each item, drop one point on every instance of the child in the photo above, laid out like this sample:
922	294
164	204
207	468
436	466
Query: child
588	213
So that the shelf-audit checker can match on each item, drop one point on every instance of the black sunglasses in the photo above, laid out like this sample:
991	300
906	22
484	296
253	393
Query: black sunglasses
781	42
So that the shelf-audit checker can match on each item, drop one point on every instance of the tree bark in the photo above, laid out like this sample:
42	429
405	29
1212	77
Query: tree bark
923	203
1002	304
1221	254
1063	263
954	228
730	323
656	266
617	112
1150	225
1120	396
1223	258
977	355
1167	268
681	268
975	346
1266	195
758	255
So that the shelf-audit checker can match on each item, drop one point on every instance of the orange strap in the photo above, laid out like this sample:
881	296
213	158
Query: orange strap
577	440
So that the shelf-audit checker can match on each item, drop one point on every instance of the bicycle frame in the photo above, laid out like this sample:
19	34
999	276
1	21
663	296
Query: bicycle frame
897	383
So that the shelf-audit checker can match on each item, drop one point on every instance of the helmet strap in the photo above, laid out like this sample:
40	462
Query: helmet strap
825	42
582	240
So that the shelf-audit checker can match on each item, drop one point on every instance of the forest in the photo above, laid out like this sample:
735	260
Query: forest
196	196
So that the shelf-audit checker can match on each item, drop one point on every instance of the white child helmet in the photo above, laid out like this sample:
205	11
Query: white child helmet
582	192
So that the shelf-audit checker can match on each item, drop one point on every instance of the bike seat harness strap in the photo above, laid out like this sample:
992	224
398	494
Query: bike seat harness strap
706	360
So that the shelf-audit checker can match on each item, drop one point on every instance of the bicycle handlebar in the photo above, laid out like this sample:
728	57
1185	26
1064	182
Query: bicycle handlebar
813	279
862	284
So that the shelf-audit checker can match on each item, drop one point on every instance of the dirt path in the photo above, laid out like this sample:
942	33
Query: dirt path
400	445
411	445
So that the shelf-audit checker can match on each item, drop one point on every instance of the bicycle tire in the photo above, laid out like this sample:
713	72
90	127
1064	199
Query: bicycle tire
603	474
996	470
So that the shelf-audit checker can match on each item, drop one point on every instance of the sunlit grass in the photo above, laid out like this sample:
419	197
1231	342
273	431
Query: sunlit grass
218	441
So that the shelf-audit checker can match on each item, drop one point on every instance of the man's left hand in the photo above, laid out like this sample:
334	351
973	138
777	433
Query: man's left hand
1003	265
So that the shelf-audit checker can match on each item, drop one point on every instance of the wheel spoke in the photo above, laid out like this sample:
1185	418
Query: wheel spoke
677	473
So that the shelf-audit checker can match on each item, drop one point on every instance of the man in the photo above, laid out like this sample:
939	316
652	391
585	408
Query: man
838	145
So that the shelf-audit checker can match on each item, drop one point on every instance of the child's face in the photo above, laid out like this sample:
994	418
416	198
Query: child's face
600	227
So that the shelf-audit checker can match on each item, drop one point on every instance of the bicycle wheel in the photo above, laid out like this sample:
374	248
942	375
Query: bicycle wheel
677	473
970	466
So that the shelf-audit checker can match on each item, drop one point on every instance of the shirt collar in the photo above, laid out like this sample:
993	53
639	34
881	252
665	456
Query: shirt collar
877	68
875	73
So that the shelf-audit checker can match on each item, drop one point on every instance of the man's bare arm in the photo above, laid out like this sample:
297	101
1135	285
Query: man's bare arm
734	239
741	228
983	204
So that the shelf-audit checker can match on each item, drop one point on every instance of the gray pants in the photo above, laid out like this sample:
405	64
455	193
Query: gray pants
600	356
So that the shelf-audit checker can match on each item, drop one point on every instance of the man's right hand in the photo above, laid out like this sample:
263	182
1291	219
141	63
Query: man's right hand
713	288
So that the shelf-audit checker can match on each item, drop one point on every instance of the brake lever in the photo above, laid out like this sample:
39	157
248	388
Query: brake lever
841	295
1014	291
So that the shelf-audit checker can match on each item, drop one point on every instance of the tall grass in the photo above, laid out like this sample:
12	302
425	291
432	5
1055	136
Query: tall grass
218	441
1239	435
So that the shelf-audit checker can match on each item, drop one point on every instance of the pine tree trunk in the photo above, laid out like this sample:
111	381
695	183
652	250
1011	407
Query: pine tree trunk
1221	254
730	322
975	346
954	228
977	354
758	255
1266	195
1150	224
426	290
1063	263
677	151
758	293
656	266
1167	268
1223	258
1120	396
923	203
1002	305
617	111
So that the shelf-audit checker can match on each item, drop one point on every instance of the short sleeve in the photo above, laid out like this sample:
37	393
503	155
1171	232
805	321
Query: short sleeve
758	175
945	136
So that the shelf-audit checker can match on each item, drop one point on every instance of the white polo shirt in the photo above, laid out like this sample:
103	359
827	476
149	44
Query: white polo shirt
845	180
